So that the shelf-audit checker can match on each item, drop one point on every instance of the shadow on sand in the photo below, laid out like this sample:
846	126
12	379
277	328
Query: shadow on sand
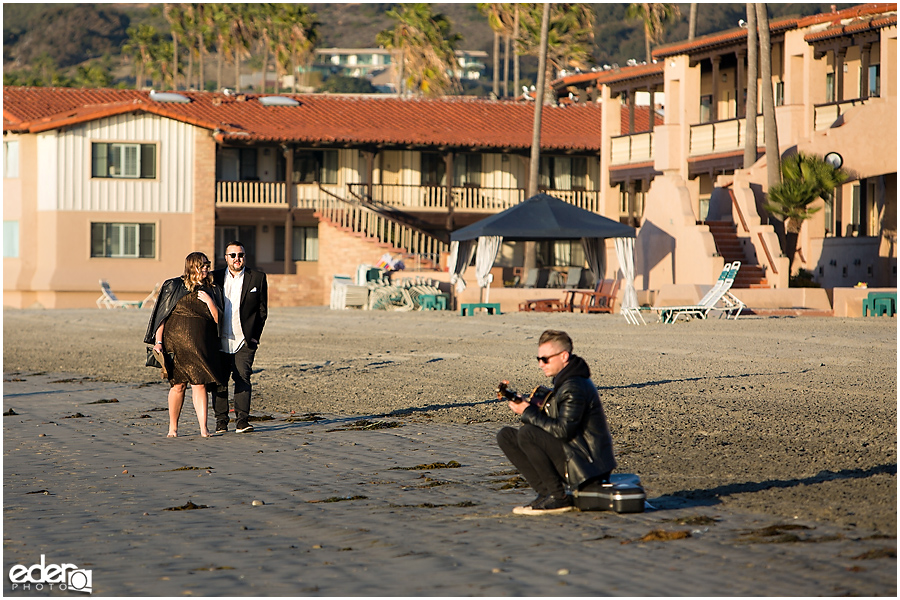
712	496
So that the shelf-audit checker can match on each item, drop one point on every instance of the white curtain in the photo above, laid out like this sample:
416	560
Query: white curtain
460	257
488	247
625	254
595	253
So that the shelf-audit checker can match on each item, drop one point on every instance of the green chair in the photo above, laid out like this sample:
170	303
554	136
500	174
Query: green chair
880	304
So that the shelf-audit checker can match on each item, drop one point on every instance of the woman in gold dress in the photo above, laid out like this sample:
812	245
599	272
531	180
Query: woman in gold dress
185	326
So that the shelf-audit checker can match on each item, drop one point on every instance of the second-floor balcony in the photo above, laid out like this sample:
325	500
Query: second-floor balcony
723	136
412	198
826	114
633	148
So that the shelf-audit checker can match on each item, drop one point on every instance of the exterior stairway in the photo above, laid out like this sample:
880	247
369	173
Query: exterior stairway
418	249
731	249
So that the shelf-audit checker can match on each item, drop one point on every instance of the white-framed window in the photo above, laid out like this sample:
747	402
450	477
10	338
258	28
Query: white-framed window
123	240
11	159
123	160
10	239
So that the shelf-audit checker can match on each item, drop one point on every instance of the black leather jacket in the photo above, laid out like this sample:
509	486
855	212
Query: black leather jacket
573	414
171	292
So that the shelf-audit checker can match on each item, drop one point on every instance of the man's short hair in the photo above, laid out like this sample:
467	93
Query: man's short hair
558	338
235	243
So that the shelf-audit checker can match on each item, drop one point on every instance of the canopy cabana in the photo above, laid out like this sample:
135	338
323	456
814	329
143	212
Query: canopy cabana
541	217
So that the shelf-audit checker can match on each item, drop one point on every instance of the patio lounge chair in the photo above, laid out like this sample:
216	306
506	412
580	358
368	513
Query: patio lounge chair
717	298
108	299
600	300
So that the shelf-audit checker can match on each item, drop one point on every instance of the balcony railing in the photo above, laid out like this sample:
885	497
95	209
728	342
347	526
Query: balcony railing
637	147
723	136
434	197
826	114
415	198
386	230
250	193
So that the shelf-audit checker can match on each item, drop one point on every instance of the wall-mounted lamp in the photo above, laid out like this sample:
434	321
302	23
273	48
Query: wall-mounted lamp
725	77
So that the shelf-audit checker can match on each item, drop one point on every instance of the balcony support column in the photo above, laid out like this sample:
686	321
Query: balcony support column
739	85
448	190
839	74
714	105
289	217
864	70
651	89
630	97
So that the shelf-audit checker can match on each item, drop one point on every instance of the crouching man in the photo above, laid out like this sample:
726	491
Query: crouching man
565	442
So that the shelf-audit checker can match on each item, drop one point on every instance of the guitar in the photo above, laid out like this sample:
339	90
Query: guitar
537	398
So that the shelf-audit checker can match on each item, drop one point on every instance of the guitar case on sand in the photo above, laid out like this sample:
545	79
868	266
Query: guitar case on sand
623	494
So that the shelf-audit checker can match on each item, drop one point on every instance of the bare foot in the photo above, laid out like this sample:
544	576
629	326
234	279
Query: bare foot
172	434
204	434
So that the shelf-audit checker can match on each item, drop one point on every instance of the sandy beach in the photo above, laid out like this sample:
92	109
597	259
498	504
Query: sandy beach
733	426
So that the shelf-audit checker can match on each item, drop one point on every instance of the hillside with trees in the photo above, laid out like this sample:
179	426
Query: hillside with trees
96	45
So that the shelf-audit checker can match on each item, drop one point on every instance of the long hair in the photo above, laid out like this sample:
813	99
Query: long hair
192	277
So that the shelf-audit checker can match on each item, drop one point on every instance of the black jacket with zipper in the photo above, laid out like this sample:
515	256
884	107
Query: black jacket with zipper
573	414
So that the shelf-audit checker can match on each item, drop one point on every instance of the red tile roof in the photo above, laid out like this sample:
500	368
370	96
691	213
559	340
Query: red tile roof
613	75
722	38
852	28
862	10
319	119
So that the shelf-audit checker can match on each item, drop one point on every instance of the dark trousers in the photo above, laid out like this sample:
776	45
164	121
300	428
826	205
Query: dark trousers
238	366
537	455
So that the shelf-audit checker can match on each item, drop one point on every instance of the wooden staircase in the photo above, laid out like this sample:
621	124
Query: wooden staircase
731	249
416	247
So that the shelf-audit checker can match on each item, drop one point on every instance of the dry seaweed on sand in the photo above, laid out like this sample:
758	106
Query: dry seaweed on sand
187	506
77	415
104	401
661	535
877	553
338	499
187	468
692	520
308	418
366	425
435	465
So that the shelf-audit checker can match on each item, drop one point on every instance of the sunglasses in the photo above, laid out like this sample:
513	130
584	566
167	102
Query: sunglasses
205	265
545	359
236	255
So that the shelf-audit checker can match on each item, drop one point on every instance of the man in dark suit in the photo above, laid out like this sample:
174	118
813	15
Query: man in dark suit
246	298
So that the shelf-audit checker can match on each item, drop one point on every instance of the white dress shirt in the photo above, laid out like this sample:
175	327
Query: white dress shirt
232	333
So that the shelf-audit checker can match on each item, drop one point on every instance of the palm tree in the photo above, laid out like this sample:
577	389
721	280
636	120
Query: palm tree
530	261
654	17
423	49
174	15
502	20
692	22
750	133
807	178
302	37
238	37
140	41
569	37
768	97
488	11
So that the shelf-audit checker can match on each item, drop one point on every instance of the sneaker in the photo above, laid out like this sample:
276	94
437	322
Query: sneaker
246	428
221	429
549	505
527	507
